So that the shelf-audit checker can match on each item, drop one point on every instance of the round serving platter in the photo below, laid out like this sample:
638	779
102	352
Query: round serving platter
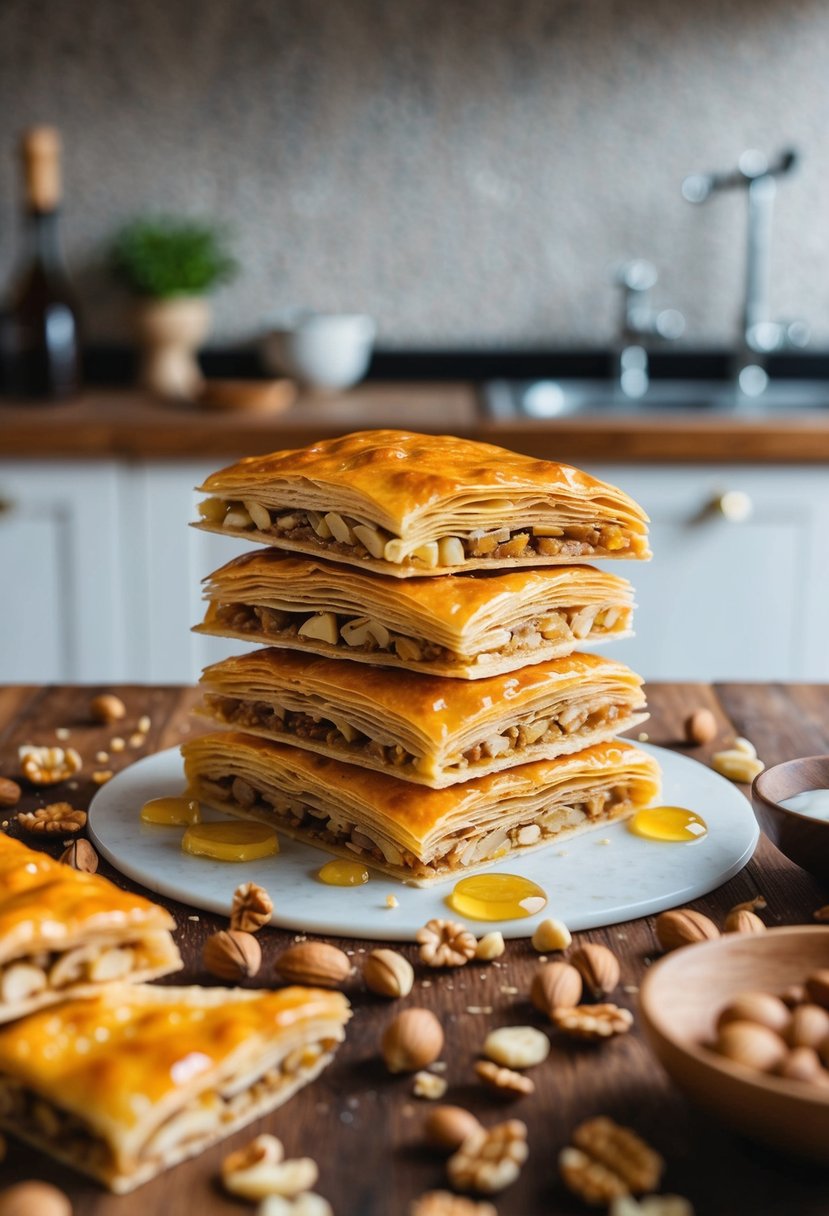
601	878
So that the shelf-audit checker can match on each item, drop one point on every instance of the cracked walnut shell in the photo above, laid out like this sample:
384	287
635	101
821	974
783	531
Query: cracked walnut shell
593	1022
48	765
231	955
251	909
57	817
80	855
490	1159
607	1160
445	943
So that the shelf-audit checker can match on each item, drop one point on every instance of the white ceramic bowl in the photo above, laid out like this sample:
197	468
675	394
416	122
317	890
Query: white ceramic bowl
322	350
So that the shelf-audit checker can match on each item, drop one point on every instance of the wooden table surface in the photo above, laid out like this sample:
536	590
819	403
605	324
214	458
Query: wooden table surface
362	1125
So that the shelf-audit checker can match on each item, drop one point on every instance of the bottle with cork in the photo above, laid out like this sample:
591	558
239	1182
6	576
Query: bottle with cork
42	339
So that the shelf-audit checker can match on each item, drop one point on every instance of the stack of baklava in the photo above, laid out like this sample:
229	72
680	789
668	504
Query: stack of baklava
419	704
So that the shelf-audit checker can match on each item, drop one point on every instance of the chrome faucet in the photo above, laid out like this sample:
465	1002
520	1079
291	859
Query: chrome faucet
640	320
760	334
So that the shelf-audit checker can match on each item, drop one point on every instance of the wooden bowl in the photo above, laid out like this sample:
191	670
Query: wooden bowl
248	396
679	1003
804	841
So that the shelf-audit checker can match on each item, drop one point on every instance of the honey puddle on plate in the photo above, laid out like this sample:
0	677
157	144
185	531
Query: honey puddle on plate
343	874
179	811
672	823
496	897
230	840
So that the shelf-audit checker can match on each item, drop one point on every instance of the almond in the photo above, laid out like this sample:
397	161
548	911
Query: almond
751	1045
598	968
388	973
107	708
313	963
448	1126
700	727
34	1199
10	792
80	855
556	986
759	1007
683	927
414	1040
232	955
740	920
808	1027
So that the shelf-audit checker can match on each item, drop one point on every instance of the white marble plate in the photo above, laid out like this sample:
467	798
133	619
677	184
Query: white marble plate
589	884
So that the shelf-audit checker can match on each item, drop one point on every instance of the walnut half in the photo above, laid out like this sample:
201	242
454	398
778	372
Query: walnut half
490	1159
57	817
607	1160
48	765
444	943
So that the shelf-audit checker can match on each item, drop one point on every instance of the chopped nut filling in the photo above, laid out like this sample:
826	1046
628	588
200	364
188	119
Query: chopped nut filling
571	625
466	847
342	736
349	537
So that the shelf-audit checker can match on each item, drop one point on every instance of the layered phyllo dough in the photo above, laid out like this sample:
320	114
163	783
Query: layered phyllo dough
136	1079
64	933
463	627
421	728
405	504
420	836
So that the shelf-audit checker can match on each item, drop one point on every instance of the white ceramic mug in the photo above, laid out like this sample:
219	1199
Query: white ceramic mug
322	350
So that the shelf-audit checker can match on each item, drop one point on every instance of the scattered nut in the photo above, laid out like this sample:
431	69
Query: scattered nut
736	765
136	739
392	901
288	1178
231	955
490	1159
388	973
308	1203
106	708
444	943
700	727
10	792
80	855
551	935
808	1027
251	909
427	1085
607	1161
683	927
741	744
651	1205
315	963
264	1149
593	1022
101	757
516	1046
101	776
759	1007
57	817
598	968
505	1080
63	733
448	1126
489	947
740	920
413	1040
751	1045
555	986
144	724
444	1203
34	1199
117	744
48	765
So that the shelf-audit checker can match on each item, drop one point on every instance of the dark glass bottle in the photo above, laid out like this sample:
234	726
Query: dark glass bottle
42	340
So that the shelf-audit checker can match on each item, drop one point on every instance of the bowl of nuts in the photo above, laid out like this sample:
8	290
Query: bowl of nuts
791	805
741	1024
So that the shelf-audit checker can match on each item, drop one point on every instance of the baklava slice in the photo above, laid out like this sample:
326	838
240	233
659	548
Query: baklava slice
64	933
420	836
405	504
133	1081
465	627
421	728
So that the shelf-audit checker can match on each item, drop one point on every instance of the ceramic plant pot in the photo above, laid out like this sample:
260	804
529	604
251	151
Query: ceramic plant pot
170	331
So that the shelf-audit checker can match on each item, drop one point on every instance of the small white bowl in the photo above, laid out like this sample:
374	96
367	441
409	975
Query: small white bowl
322	350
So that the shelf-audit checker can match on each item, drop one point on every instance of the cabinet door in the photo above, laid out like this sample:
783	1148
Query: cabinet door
166	596
725	599
60	617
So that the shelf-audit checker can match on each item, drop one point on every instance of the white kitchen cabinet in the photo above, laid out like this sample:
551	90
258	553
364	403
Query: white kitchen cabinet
730	599
61	607
102	576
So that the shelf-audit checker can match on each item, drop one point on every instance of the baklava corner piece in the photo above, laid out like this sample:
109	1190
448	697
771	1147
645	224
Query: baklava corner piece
210	1061
64	933
405	504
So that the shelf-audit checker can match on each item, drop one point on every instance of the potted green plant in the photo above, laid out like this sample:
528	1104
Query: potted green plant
170	264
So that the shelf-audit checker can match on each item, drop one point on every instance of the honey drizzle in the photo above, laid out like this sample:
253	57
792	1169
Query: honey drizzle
674	824
230	840
343	874
496	897
177	811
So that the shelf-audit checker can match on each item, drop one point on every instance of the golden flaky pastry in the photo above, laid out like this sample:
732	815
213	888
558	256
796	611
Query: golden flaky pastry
466	628
419	835
406	504
425	729
138	1078
66	933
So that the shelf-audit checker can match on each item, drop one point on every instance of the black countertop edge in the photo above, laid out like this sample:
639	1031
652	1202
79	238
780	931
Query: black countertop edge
111	365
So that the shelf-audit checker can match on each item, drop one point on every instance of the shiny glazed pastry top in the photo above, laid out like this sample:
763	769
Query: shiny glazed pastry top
406	504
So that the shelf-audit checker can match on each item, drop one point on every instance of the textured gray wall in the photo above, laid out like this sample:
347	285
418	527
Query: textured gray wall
465	170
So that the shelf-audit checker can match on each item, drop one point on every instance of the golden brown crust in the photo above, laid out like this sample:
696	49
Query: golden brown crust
421	728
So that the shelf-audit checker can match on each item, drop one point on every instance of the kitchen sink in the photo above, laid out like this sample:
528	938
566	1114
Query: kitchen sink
565	398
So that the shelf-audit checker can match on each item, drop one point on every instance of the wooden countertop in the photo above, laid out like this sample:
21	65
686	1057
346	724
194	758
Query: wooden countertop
130	425
362	1125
